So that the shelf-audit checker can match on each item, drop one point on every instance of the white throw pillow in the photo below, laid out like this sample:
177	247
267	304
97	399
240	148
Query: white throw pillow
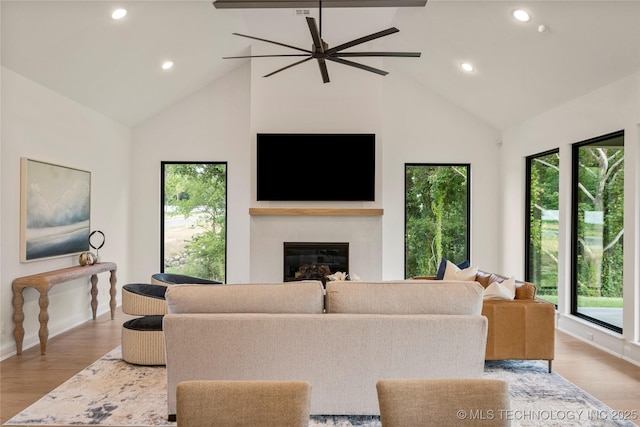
453	272
505	290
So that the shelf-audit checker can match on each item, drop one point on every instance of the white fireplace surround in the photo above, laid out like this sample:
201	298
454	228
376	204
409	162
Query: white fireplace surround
363	233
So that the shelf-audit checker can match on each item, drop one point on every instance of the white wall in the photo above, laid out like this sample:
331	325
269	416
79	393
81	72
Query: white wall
42	125
611	108
298	101
220	123
421	127
211	125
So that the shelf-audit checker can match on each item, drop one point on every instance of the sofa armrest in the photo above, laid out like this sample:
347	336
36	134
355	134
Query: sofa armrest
520	329
525	291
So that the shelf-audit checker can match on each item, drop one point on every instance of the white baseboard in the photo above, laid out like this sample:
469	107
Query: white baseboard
599	337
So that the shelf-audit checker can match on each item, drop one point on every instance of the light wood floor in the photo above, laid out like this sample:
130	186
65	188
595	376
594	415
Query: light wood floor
26	378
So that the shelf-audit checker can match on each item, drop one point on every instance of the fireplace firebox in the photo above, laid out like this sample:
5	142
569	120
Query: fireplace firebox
314	261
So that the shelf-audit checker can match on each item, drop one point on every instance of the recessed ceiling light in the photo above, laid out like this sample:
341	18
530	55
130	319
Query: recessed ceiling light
119	14
521	15
167	65
467	67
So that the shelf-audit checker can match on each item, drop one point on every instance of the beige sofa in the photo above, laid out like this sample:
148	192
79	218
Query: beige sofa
342	342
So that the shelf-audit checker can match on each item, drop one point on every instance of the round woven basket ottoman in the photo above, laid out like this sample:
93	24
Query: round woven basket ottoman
142	338
141	299
166	279
143	341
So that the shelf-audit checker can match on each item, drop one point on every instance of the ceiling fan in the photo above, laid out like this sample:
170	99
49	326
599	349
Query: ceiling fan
322	53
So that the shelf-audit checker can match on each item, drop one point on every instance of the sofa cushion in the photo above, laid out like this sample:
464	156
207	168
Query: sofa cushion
524	290
503	290
453	272
443	265
304	297
145	323
404	297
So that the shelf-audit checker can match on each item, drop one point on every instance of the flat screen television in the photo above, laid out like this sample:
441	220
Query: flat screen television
316	167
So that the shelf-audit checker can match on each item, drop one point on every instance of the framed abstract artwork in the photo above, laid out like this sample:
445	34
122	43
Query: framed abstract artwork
55	205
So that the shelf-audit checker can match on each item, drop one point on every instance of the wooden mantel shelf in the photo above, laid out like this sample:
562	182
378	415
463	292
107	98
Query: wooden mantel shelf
315	212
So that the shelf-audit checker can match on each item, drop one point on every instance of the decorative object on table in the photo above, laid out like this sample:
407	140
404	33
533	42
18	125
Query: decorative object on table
55	204
87	258
93	242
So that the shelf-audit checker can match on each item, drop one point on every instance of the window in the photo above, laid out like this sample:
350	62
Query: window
437	219
541	252
194	219
598	229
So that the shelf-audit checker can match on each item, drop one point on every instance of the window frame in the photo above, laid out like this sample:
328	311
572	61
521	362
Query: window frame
527	221
574	228
467	166
163	164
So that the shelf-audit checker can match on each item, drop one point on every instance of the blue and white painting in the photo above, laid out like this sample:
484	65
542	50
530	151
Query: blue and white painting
56	203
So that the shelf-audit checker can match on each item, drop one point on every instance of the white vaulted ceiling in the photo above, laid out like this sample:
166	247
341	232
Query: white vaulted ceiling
76	49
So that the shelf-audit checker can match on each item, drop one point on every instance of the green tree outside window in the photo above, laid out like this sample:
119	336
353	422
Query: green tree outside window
543	200
194	219
599	229
436	216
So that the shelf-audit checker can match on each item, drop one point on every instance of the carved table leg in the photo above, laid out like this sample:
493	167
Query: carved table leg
94	295
18	318
43	317
112	292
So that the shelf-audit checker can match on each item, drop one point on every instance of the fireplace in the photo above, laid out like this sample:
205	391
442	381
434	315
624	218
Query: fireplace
314	261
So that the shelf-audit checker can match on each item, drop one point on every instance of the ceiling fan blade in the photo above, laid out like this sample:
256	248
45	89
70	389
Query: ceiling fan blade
315	35
393	54
361	40
355	64
287	67
264	56
323	70
272	42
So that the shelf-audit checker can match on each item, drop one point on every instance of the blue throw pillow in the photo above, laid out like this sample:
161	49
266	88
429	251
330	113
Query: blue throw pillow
443	266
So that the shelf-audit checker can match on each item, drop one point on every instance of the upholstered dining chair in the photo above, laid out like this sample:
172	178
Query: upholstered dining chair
243	403
443	402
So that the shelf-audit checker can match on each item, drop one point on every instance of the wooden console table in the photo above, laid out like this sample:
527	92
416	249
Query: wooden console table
43	282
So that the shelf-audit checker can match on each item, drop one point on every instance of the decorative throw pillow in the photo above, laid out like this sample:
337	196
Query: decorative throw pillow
443	266
453	272
505	290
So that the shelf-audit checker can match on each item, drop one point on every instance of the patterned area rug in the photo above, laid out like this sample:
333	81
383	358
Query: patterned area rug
112	392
